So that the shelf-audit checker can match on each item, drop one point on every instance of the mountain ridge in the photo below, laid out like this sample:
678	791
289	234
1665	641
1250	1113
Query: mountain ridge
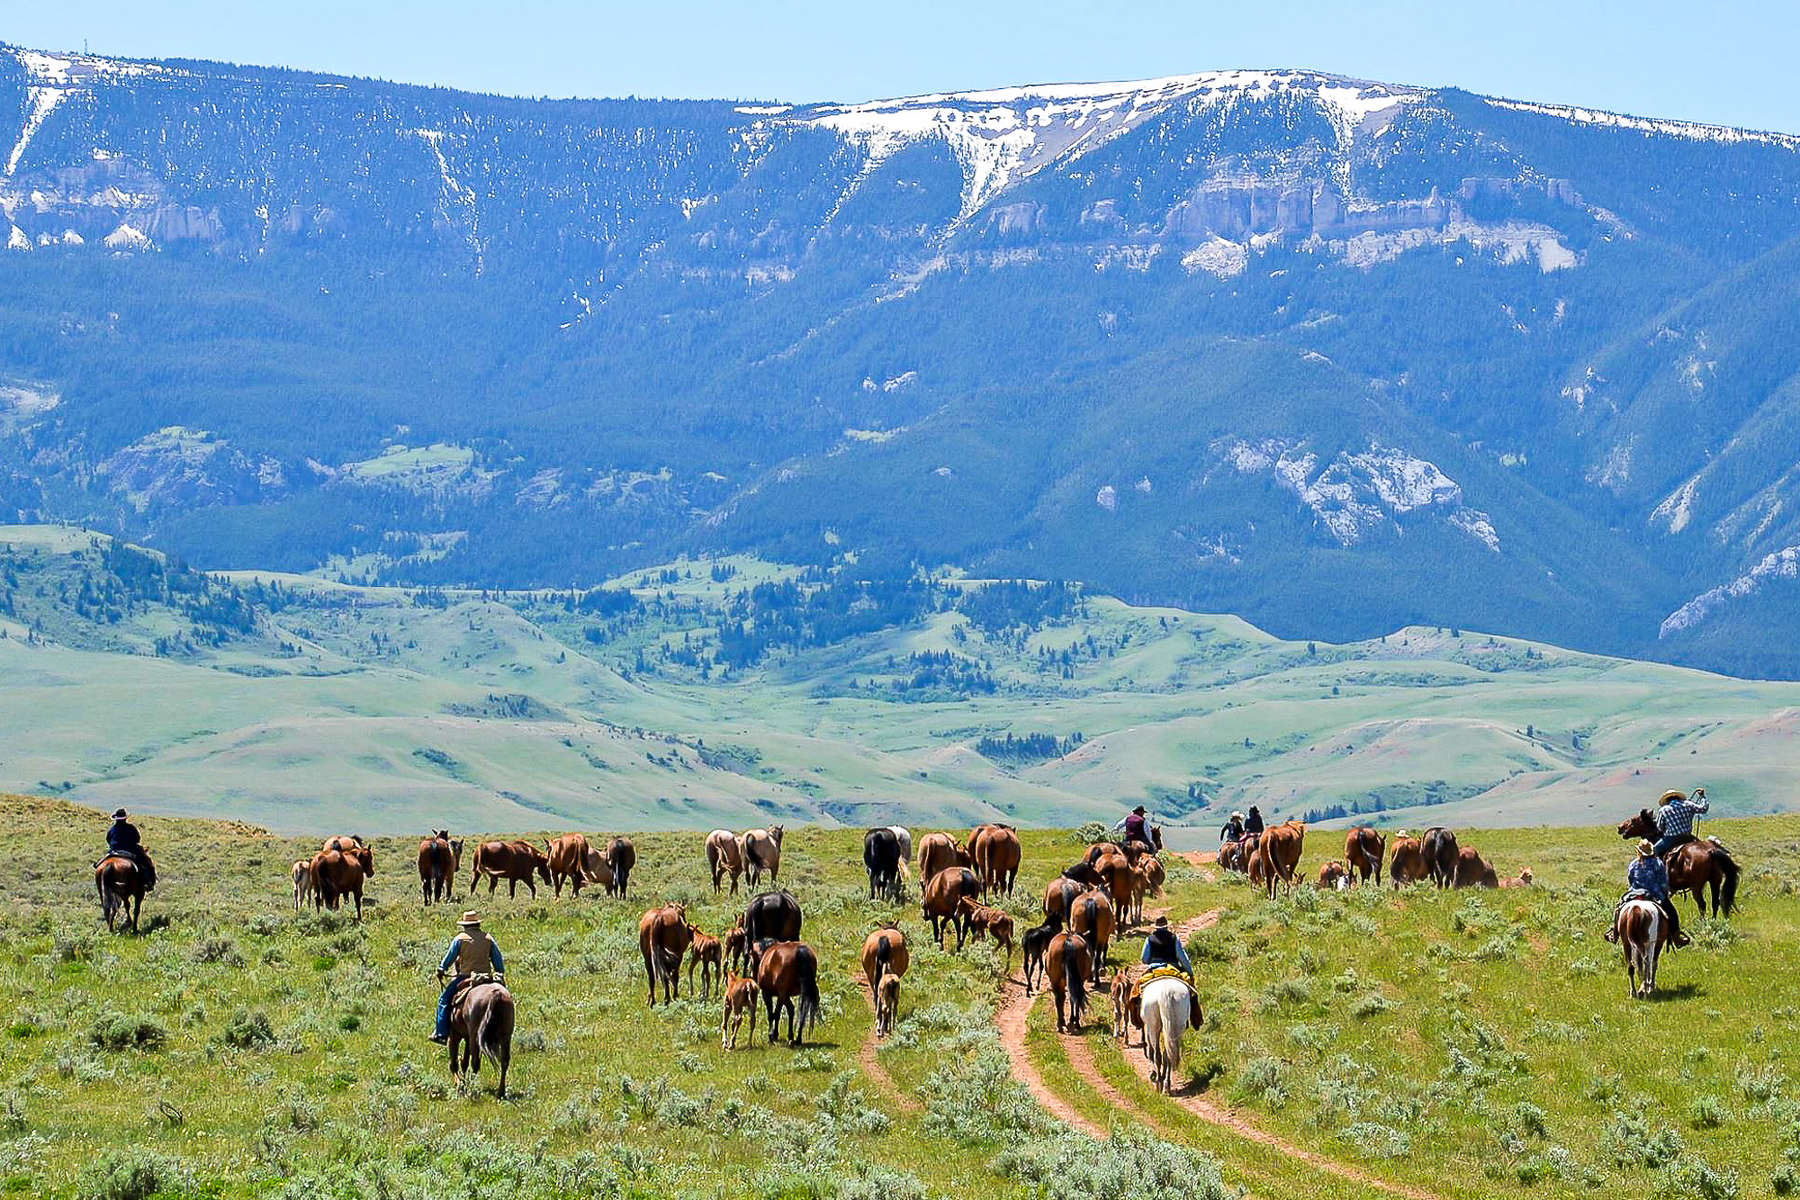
262	316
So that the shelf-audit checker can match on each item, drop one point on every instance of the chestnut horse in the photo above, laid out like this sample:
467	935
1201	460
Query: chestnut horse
440	858
1094	918
705	952
568	862
939	852
516	862
1408	863
1693	866
1069	962
663	937
724	856
1281	846
1059	894
762	852
787	975
942	905
997	858
1364	848
120	883
884	961
340	873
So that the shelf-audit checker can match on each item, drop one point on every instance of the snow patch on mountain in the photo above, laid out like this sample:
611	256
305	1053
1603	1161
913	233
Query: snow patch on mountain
1674	513
1001	136
1217	256
1356	494
1782	564
1692	131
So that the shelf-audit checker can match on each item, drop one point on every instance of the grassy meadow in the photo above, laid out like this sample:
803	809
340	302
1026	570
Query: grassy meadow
1457	1044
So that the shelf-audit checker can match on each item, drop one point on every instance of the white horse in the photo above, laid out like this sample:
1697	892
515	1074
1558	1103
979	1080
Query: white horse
1642	933
1165	1005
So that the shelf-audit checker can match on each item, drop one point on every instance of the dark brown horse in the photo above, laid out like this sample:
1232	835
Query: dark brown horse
787	975
1440	849
340	873
1036	945
998	858
942	905
440	858
621	857
1069	963
1094	918
1364	850
120	883
481	1024
516	862
663	937
1694	866
770	917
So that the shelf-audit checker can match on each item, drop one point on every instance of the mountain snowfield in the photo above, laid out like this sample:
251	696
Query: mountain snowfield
1333	353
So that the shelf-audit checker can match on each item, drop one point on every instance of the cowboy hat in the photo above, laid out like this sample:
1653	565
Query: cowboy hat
1162	922
1139	810
1669	795
1237	816
470	918
1645	849
118	814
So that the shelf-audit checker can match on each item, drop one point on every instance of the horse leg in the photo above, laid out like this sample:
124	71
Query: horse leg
137	907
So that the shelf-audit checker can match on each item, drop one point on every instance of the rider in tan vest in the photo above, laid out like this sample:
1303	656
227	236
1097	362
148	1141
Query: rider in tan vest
471	952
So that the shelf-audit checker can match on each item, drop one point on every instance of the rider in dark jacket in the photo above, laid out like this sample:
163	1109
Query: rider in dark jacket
1233	830
122	839
1254	822
1163	949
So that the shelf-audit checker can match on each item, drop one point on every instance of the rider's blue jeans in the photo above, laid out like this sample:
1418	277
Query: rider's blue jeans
1667	843
443	1008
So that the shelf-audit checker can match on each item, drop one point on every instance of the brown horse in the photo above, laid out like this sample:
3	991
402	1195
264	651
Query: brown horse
1472	870
1694	866
1364	849
737	947
1232	856
345	843
1282	845
708	954
740	1002
1069	963
1438	845
340	873
1261	874
663	936
120	883
481	1023
884	960
1094	918
1334	876
1642	934
1059	893
762	852
939	852
440	858
301	875
516	862
1036	945
787	975
990	922
568	857
724	856
1408	862
621	857
998	858
942	905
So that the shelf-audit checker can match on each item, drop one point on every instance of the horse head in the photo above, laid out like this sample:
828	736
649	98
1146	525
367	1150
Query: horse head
1637	826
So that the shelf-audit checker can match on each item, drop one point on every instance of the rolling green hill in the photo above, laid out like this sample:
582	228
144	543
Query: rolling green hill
737	691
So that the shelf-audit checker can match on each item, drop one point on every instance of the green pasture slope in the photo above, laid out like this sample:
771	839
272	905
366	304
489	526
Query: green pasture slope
1459	1044
389	709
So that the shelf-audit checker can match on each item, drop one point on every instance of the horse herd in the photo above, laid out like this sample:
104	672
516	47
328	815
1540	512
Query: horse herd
344	863
1272	860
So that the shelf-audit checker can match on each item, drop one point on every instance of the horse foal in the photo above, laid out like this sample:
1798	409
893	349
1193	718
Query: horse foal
740	1000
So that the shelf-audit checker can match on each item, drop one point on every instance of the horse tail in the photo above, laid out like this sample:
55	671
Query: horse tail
809	995
1171	1035
1728	866
1075	984
487	1038
884	953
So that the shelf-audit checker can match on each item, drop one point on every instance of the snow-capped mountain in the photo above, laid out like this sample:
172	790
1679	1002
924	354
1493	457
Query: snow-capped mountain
1330	352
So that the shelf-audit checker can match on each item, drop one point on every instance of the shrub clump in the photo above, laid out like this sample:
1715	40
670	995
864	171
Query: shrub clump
135	1174
118	1031
248	1030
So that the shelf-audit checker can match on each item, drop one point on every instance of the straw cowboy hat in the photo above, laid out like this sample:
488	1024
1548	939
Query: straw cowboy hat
1645	848
470	918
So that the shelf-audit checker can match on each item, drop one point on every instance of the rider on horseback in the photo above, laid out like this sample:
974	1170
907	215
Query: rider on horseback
1136	826
473	952
1163	949
1254	822
1648	879
123	841
1233	830
1675	819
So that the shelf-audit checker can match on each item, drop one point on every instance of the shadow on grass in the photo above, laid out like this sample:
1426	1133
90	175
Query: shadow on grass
1681	991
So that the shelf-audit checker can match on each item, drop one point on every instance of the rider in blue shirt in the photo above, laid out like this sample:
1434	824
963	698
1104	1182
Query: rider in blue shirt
1648	878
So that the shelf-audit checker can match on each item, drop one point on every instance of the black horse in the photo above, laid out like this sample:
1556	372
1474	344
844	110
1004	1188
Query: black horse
881	855
771	917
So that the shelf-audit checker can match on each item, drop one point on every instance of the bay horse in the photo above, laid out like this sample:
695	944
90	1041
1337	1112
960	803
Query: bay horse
884	960
663	936
939	852
1281	846
1438	845
1642	934
1069	963
120	883
942	903
1364	849
724	856
1694	867
787	975
985	921
481	1023
707	953
340	873
997	857
440	858
1094	918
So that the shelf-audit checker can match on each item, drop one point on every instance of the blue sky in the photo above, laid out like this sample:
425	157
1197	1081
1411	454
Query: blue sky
1729	62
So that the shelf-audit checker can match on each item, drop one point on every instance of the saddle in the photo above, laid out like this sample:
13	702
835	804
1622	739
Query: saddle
1151	976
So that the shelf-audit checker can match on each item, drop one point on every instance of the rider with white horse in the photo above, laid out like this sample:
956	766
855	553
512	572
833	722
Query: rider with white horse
1166	1002
1644	920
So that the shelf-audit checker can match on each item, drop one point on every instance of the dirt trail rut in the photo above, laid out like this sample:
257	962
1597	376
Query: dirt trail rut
870	1061
1012	1019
